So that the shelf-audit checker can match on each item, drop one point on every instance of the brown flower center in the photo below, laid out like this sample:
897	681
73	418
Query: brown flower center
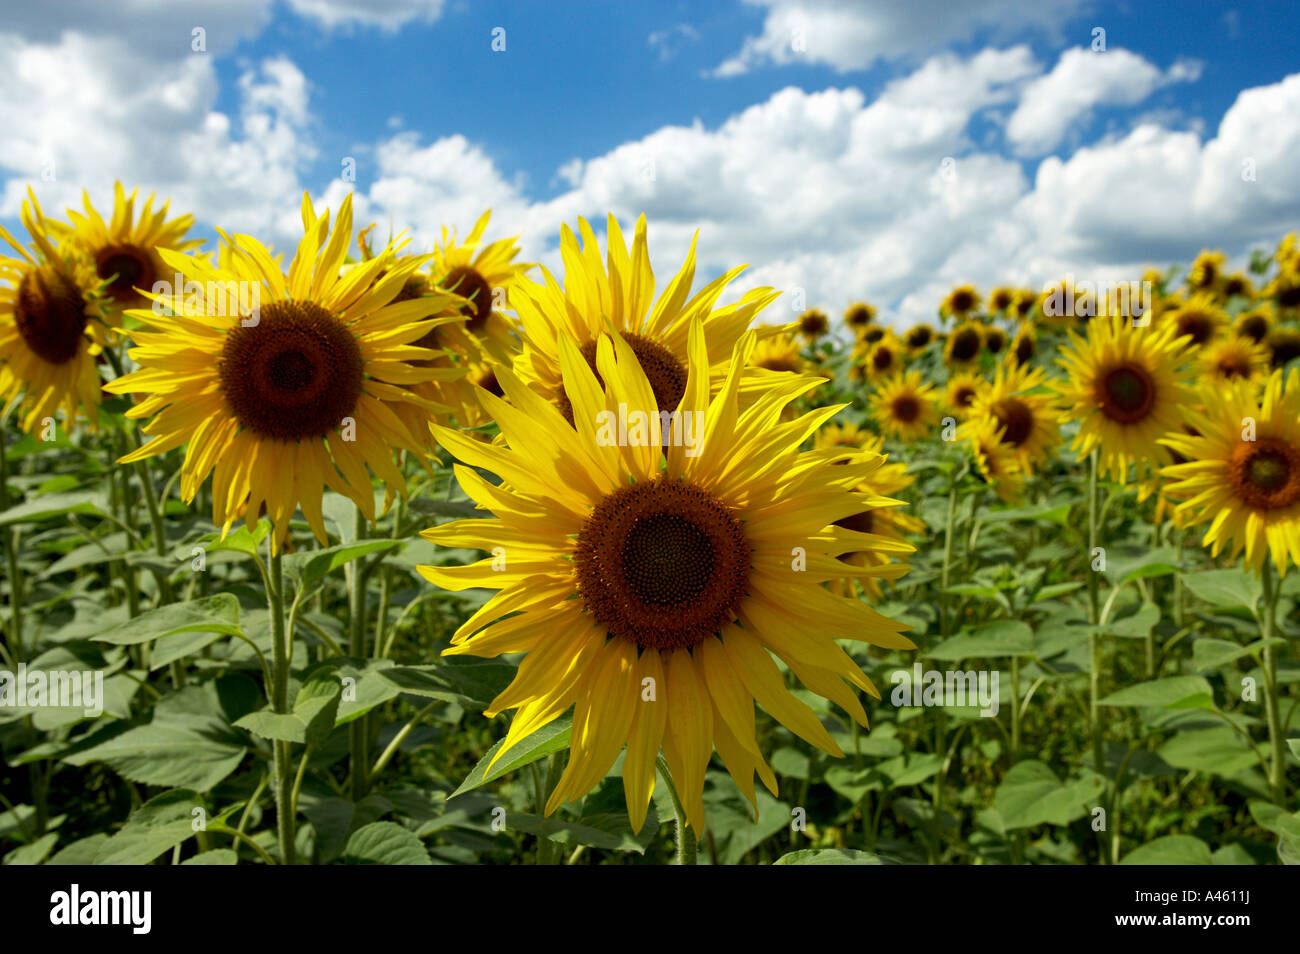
905	409
1196	325
1285	347
129	267
665	373
859	316
1126	393
882	359
294	375
1024	349
468	283
1254	327
961	301
663	564
995	340
965	344
1016	420
50	314
1265	473
963	394
873	334
919	337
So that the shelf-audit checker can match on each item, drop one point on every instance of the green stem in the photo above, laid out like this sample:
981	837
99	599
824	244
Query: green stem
280	701
11	559
358	729
1276	776
1094	638
686	846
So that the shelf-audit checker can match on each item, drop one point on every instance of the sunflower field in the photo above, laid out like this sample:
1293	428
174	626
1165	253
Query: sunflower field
359	553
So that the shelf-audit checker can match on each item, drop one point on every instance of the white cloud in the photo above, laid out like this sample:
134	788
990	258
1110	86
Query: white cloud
385	14
854	35
1080	81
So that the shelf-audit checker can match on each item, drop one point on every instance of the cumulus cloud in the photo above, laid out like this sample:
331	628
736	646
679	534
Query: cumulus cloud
385	14
1080	81
854	35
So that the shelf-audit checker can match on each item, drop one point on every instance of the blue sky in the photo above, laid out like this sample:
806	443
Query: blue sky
802	136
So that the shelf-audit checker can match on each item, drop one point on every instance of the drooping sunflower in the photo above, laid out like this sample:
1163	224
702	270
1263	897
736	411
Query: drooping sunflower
281	385
995	461
651	590
1023	306
960	391
813	325
125	249
858	316
1205	271
1231	357
964	344
51	303
1244	481
1285	289
905	407
1024	416
883	520
619	293
1126	389
1024	344
873	334
918	337
779	353
1198	320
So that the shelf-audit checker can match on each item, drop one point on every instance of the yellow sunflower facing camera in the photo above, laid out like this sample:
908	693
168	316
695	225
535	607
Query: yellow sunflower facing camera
1023	416
905	407
1126	389
1242	471
282	385
652	588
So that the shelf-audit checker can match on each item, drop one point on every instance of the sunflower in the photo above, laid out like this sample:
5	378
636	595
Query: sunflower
125	250
1246	487
51	303
1001	299
960	391
904	406
883	358
1023	417
287	386
813	324
619	293
995	339
1205	271
1283	346
1285	289
779	353
918	337
1064	302
964	344
995	461
1126	390
650	595
858	316
1023	345
1232	357
1256	323
889	522
873	334
1023	306
1238	283
1199	320
960	303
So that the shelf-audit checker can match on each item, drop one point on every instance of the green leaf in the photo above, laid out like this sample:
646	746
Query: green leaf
1053	590
1225	588
1003	637
385	843
1218	751
829	856
80	852
1031	794
1124	564
1171	691
55	505
336	819
472	682
34	853
549	739
611	832
217	856
1275	819
238	541
1170	850
210	614
1209	653
1136	625
157	826
311	720
311	566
